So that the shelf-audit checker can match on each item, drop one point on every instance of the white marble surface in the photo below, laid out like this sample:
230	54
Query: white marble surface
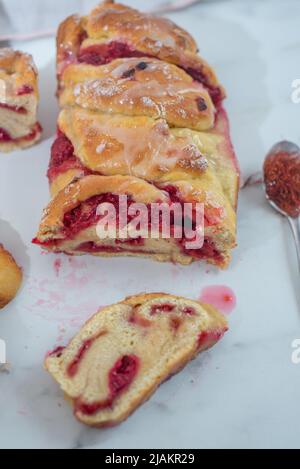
245	391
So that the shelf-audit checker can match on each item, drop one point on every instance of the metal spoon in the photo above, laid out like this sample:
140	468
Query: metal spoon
290	152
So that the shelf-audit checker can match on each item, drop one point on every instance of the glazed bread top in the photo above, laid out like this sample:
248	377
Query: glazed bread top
149	148
136	87
113	30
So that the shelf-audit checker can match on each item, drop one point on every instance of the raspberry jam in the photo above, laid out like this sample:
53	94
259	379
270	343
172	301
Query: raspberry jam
282	177
25	89
120	377
17	109
63	158
162	308
85	215
5	136
207	338
57	352
104	53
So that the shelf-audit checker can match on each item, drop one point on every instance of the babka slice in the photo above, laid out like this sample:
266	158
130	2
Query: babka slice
19	98
124	352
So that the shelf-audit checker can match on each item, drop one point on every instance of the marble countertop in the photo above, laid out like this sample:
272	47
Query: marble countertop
244	393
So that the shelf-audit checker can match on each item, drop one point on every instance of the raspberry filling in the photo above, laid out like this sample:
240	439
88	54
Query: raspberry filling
189	310
206	338
74	365
17	109
104	53
168	308
120	377
163	308
6	137
57	352
25	89
85	215
63	158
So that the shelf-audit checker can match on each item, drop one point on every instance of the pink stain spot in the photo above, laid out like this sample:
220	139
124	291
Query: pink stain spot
56	297
219	296
57	266
72	281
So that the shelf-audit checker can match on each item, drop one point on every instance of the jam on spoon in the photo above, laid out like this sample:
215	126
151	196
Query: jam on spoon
282	184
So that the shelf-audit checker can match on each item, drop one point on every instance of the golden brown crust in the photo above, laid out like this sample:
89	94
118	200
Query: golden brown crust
161	353
150	35
10	277
137	146
157	90
68	41
18	68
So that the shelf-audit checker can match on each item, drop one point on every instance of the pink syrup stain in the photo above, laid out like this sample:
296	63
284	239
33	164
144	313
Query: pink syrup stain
57	266
221	297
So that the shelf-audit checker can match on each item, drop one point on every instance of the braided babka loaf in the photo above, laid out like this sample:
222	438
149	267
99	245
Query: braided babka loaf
18	101
124	352
141	116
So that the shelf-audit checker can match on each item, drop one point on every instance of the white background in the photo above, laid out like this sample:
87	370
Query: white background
245	391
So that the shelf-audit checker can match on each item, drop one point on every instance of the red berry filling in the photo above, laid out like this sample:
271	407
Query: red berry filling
105	53
57	352
135	318
5	136
74	365
17	109
206	338
85	215
163	308
189	310
120	377
63	158
122	374
25	89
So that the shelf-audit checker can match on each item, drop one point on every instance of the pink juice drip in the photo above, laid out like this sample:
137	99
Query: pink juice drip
57	266
219	296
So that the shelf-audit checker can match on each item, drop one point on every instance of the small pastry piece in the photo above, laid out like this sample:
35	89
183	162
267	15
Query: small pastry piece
18	101
113	31
125	351
10	277
71	220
